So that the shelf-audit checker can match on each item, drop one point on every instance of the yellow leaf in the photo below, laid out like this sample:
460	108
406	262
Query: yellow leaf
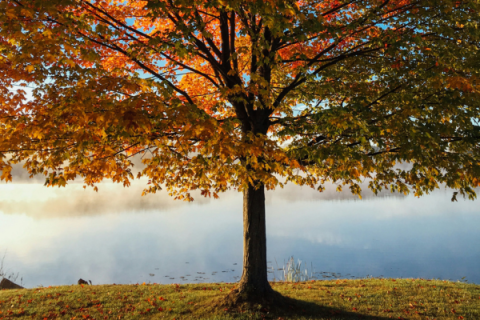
70	62
26	13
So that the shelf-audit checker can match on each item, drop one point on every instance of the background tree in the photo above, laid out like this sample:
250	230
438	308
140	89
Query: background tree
243	94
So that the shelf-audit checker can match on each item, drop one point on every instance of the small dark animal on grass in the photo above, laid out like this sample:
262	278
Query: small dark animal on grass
81	281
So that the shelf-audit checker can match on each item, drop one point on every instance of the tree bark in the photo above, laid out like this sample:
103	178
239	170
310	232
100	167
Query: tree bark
254	282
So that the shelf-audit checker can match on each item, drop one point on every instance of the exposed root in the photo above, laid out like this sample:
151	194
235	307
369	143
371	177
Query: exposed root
239	301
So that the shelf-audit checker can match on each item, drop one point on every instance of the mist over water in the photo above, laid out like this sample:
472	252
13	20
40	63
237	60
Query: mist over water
56	236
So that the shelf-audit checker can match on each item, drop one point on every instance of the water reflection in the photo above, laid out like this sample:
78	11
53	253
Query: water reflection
56	236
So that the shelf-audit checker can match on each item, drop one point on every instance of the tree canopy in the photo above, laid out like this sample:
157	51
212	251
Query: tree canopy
243	94
222	94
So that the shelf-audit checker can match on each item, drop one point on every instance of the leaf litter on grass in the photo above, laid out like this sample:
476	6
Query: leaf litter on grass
370	298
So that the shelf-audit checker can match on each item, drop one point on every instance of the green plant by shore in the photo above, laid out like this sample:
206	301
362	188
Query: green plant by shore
370	298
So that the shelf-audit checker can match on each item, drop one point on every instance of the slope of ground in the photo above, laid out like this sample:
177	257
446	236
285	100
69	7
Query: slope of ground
335	299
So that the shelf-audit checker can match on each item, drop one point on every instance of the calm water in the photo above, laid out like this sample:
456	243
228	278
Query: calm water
56	236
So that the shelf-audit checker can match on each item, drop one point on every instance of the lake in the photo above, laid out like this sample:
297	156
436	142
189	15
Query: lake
56	236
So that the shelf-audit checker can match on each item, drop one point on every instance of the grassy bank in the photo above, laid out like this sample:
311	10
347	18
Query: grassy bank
335	299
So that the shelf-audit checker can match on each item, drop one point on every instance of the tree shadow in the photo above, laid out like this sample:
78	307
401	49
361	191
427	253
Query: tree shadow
279	307
310	310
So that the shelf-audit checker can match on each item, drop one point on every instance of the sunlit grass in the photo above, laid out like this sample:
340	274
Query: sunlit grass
333	299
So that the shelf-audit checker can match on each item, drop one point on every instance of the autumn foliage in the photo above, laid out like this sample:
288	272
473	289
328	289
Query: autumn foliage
243	94
222	94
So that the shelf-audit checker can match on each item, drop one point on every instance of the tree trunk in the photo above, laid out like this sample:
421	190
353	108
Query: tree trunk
253	289
254	284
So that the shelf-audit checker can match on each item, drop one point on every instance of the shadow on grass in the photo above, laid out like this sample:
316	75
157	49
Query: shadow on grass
283	307
311	310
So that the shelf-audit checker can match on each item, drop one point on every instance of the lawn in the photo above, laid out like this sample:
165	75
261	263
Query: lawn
332	299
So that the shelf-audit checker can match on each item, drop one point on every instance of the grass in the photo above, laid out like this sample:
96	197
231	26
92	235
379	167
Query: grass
370	298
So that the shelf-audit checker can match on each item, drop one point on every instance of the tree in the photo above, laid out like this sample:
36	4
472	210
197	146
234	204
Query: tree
243	94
